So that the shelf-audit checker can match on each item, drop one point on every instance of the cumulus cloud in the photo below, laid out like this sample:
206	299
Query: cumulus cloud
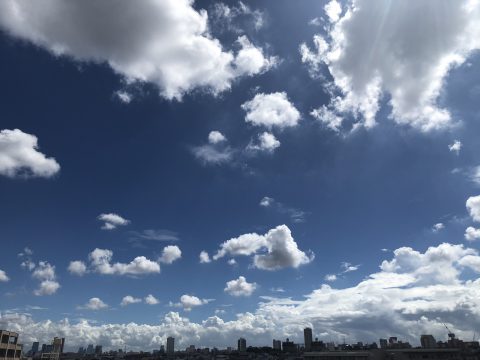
204	257
266	142
3	276
438	227
129	299
143	50
281	249
112	221
47	287
472	234
188	302
240	287
124	96
250	60
94	304
412	293
372	50
151	300
77	268
330	277
215	137
216	152
347	267
473	207
45	273
232	262
19	156
271	110
455	147
170	254
236	18
100	262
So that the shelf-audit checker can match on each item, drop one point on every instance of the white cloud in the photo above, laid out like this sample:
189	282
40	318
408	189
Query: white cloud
100	262
473	206
250	60
473	174
296	215
281	249
271	110
143	51
77	268
124	96
266	201
112	221
129	299
266	142
94	304
455	147
28	264
372	50
26	252
3	276
215	137
240	287
19	156
232	262
228	16
47	287
204	257
170	254
188	302
151	300
472	234
347	267
330	277
328	117
437	227
414	294
45	273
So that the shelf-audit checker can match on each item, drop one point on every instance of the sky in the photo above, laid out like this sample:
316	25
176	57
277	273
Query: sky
212	170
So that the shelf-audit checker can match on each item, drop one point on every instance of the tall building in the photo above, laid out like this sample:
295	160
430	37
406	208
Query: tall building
383	343
242	345
9	347
307	336
289	346
53	351
89	350
170	345
98	350
428	342
277	345
35	347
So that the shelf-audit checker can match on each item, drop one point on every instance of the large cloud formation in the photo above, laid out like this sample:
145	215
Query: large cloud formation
19	156
394	49
136	40
413	293
281	249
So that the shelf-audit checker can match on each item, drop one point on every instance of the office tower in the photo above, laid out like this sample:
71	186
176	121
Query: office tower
289	346
44	348
162	349
242	345
81	350
307	336
35	347
9	348
428	342
170	345
98	350
277	345
89	349
383	343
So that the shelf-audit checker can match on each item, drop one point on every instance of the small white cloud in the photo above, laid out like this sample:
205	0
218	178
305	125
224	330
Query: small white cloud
124	96
204	257
278	290
271	110
26	252
170	254
266	201
151	300
45	273
455	147
100	262
47	287
296	215
213	153
437	227
19	156
240	287
347	267
472	234
3	276
251	60
127	300
330	277
216	137
266	142
232	262
473	206
112	221
328	117
28	264
333	10
94	304
77	267
188	302
318	21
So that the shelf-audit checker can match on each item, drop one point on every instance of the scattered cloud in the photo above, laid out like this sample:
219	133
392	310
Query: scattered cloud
237	18
124	96
154	234
217	151
170	254
278	289
204	257
77	268
266	142
19	156
271	110
143	52
240	287
151	300
45	273
295	215
347	267
188	302
112	221
94	304
215	137
127	300
472	234
100	262
232	262
26	252
3	276
407	69
438	227
281	249
455	147
330	277
473	207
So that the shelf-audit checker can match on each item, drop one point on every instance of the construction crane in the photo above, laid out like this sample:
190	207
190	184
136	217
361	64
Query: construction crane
451	335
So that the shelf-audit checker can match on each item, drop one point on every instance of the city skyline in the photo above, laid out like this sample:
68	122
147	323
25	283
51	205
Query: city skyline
217	170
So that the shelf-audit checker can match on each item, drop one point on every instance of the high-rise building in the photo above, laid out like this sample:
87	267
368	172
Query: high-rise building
35	347
383	343
98	350
428	342
89	350
53	351
289	346
9	347
307	336
242	345
277	345
170	345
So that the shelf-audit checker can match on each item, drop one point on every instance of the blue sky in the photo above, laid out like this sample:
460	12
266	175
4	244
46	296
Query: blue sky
329	147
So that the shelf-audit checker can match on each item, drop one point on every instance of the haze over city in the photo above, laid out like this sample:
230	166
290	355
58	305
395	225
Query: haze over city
213	171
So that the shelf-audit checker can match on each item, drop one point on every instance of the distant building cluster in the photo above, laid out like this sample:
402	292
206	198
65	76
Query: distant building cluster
310	349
